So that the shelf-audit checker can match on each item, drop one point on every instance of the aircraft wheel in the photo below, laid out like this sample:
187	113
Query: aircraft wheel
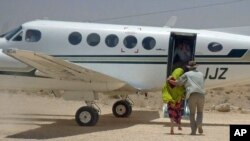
122	108
86	116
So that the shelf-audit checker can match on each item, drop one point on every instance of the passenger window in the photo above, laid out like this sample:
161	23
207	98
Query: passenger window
75	38
148	43
111	40
215	47
32	35
19	37
93	39
130	42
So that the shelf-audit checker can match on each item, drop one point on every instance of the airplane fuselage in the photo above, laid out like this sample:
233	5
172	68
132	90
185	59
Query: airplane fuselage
137	55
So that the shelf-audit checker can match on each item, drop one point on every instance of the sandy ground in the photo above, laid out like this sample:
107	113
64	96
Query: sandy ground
38	117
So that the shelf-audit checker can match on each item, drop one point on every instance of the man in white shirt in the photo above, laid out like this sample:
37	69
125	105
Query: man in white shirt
193	81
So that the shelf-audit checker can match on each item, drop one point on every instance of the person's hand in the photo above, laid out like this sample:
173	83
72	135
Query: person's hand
169	78
172	104
178	105
172	82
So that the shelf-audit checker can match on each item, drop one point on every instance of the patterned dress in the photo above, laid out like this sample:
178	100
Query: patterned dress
173	96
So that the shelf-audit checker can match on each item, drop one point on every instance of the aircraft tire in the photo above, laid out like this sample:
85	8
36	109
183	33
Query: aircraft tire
86	116
122	108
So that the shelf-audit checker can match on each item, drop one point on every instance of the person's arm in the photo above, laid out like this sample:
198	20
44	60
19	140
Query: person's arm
173	82
181	81
166	96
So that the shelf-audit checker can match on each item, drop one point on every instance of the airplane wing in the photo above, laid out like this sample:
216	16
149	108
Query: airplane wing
63	70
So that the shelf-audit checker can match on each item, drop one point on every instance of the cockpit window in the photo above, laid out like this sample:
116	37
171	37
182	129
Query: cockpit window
19	37
10	34
32	35
2	35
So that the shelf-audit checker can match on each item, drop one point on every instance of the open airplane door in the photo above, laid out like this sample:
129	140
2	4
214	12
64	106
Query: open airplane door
181	51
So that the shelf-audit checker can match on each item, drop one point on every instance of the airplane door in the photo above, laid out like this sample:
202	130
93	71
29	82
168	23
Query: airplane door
181	50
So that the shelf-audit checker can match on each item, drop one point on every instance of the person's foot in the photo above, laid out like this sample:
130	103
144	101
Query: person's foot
171	131
200	130
192	133
179	128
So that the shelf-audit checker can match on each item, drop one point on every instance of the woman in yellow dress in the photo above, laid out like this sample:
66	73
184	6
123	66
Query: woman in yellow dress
173	96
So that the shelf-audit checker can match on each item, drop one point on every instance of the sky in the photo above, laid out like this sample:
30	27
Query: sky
197	14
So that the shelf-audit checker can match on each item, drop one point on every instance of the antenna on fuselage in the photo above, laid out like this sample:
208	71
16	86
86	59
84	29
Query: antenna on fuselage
171	22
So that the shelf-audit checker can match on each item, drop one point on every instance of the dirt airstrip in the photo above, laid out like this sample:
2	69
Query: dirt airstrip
36	116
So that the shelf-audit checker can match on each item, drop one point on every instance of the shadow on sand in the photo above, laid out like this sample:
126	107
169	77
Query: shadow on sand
68	127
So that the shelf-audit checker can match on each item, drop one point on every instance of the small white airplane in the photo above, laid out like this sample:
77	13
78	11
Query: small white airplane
77	61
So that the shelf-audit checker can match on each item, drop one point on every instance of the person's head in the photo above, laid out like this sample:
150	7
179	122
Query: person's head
185	42
191	65
179	45
177	73
183	45
28	33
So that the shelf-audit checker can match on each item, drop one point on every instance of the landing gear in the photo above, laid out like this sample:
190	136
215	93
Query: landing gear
87	116
122	108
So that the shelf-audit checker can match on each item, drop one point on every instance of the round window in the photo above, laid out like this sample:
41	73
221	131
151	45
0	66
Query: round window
130	42
93	39
111	40
75	38
148	43
215	47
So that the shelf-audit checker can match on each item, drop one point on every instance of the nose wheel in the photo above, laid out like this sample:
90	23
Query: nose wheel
86	116
122	108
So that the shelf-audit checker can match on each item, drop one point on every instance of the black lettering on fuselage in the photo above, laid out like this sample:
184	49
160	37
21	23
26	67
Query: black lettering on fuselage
215	74
223	71
219	73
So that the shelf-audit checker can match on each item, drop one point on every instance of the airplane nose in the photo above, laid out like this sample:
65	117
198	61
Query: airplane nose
2	43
